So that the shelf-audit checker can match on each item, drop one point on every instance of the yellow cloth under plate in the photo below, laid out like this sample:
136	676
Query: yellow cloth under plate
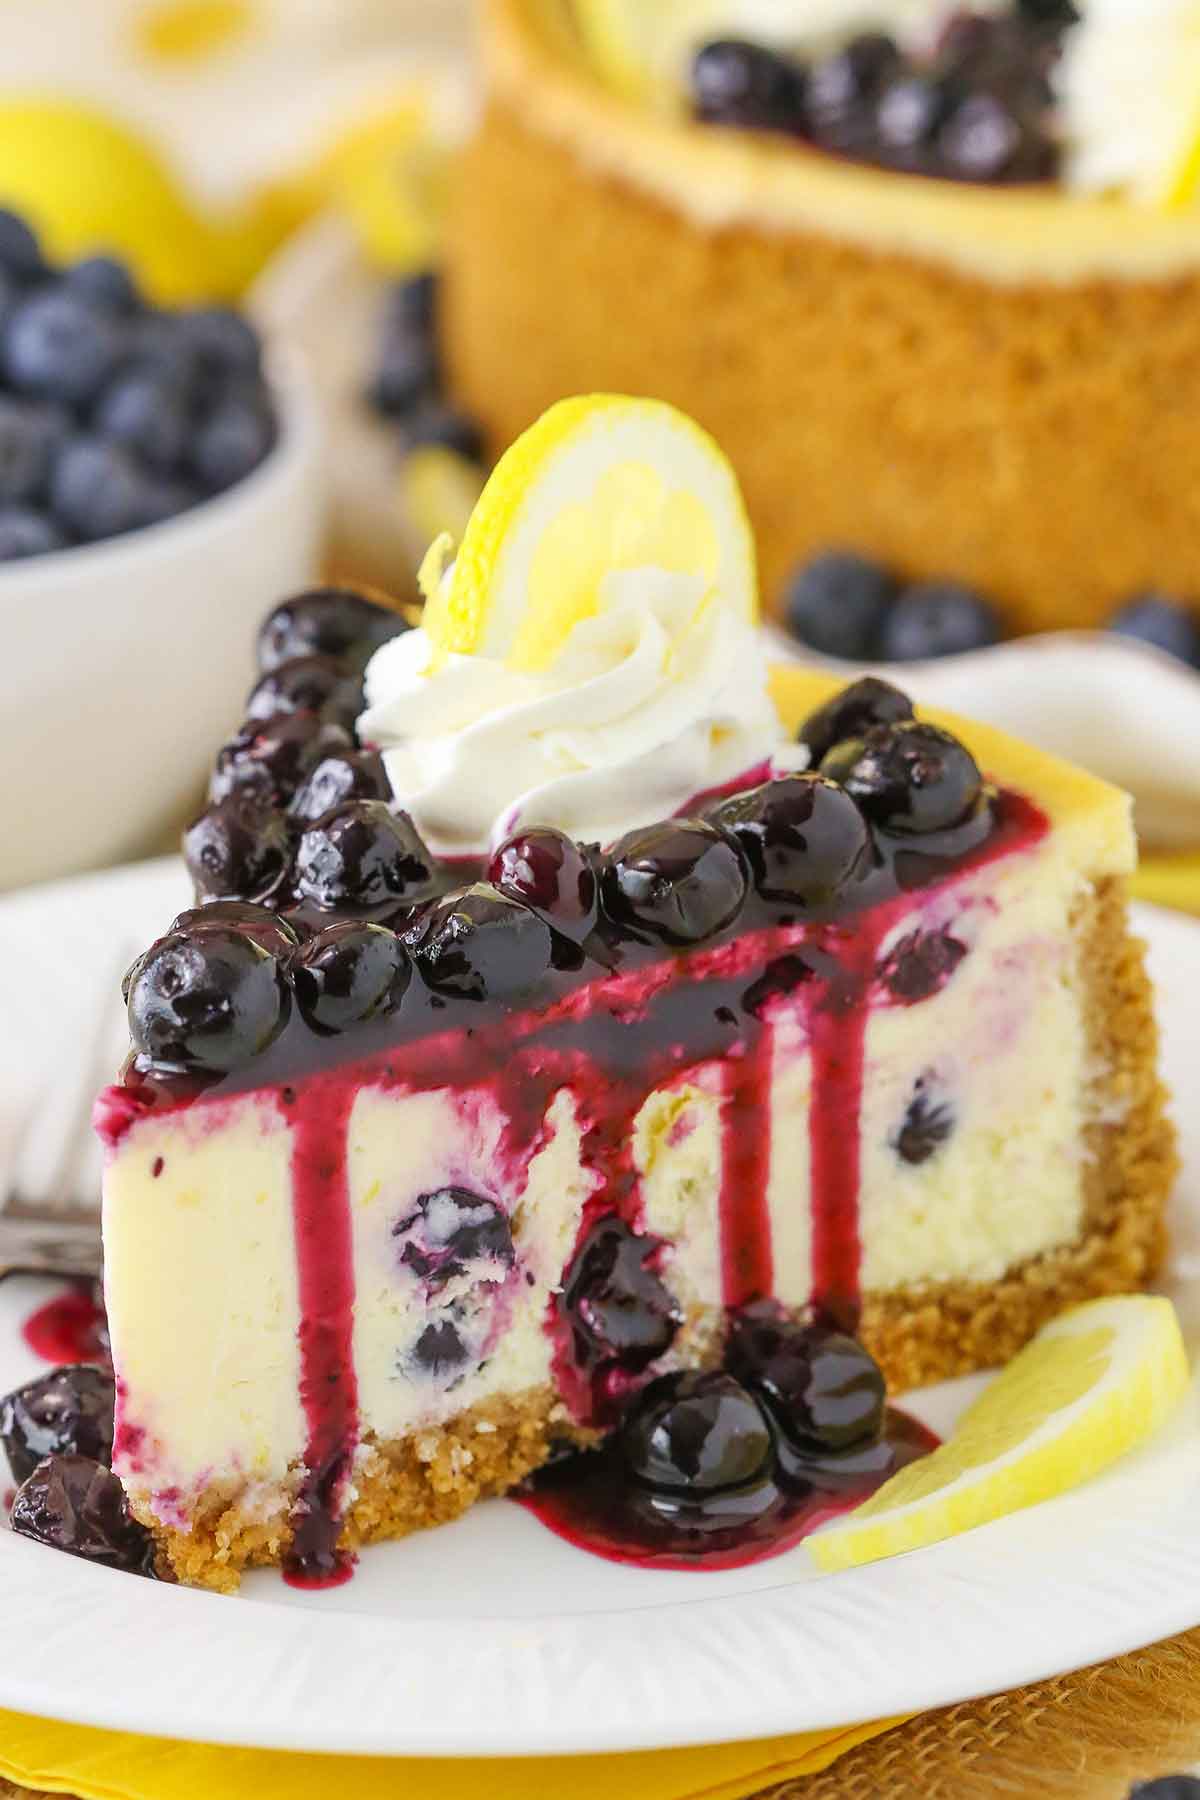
111	1765
1169	881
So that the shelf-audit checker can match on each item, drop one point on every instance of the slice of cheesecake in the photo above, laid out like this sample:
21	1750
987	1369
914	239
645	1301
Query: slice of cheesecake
602	993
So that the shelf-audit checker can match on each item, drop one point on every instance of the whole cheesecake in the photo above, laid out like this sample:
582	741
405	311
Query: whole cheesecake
996	383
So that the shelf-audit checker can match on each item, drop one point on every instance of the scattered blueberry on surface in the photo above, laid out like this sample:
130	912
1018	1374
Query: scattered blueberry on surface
73	1503
679	882
480	944
349	974
452	1232
206	1001
362	855
347	775
619	1308
803	837
908	778
1161	620
851	713
238	849
837	604
68	1411
824	1390
743	84
928	1124
696	1433
313	684
549	872
937	618
271	757
336	622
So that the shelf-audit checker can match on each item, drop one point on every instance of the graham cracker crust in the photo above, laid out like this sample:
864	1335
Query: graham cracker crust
943	423
930	1334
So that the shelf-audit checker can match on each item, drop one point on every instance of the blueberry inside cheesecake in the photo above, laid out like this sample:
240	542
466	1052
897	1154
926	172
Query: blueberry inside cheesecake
576	1017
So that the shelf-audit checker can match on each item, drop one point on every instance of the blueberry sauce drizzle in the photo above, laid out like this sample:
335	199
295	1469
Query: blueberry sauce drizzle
69	1328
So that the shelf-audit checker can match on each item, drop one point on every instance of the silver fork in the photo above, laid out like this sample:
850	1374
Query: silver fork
50	1203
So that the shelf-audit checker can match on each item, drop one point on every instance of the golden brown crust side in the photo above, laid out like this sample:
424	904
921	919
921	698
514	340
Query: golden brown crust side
947	424
933	1334
426	1479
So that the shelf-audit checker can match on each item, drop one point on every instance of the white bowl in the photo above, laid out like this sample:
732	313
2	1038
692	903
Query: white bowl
124	665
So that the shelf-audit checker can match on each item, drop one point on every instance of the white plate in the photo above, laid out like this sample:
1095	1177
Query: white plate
493	1637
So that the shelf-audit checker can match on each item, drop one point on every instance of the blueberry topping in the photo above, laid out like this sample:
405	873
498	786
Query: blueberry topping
544	869
909	778
362	855
440	1350
619	1308
231	442
824	1391
57	347
30	437
333	622
146	412
67	1412
851	714
696	1434
1167	1787
349	775
803	837
920	965
679	882
908	114
271	757
349	974
837	604
238	848
97	490
446	428
1160	620
20	252
843	88
451	1233
104	281
314	684
259	923
222	341
737	83
937	618
26	532
480	944
206	1001
928	1124
73	1503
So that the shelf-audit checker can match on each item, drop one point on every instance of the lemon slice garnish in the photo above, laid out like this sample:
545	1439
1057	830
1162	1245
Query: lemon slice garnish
1183	188
598	486
1091	1386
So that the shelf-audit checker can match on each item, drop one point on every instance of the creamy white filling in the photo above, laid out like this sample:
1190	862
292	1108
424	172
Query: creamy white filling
1129	88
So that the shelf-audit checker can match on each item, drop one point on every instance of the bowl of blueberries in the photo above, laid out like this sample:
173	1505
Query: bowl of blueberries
1107	699
159	481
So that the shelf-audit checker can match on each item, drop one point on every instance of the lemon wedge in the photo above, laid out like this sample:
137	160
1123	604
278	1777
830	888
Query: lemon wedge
598	486
1091	1386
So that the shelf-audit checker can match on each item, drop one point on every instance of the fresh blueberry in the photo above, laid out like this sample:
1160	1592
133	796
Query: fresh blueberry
412	304
440	1350
73	1503
224	342
982	139
618	1306
843	88
407	375
696	1434
452	1232
206	1001
742	84
920	965
165	498
104	281
97	490
908	778
348	975
852	713
26	532
803	837
334	622
312	684
271	757
239	848
349	775
232	441
1163	621
30	438
159	342
910	110
145	411
57	347
837	604
363	855
67	1412
445	428
825	1392
547	871
20	252
928	1124
263	927
937	618
679	882
480	944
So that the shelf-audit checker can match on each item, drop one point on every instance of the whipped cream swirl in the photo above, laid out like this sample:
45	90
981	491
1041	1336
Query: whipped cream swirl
1129	92
657	698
